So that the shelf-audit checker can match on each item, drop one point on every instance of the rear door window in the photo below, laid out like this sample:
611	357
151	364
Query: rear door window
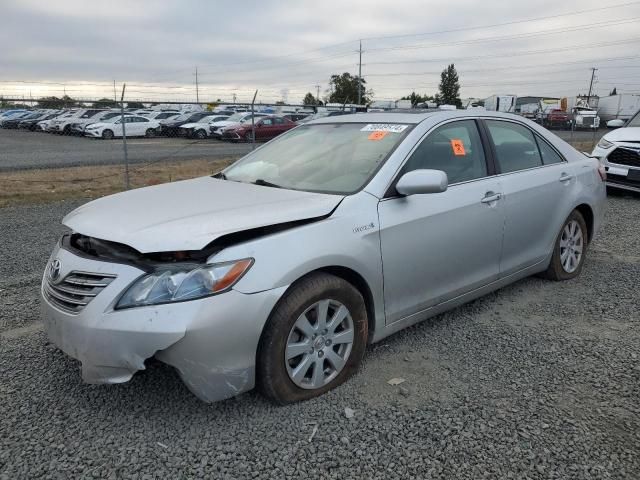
549	155
516	148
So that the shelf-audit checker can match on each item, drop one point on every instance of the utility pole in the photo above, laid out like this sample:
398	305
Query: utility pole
197	92
593	73
318	94
115	95
360	74
253	121
124	139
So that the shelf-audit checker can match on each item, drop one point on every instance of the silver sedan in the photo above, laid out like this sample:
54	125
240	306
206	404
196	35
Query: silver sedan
279	270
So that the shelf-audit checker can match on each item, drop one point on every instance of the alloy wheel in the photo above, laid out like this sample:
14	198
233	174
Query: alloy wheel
319	344
571	246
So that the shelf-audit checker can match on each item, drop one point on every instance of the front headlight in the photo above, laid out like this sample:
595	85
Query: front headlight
184	282
605	143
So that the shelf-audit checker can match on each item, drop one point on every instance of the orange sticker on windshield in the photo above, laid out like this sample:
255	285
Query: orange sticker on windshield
458	147
377	135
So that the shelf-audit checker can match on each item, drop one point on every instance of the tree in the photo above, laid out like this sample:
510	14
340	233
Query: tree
309	99
416	98
54	102
449	89
135	105
614	91
104	103
344	89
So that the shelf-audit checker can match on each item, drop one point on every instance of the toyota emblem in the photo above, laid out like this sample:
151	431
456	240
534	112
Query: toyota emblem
54	270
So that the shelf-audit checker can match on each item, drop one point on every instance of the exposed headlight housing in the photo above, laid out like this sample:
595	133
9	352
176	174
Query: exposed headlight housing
178	283
605	144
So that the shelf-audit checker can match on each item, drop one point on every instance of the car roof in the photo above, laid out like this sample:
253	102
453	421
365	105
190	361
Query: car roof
410	117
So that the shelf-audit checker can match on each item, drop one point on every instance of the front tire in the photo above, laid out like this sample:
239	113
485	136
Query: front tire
314	339
200	134
570	249
107	134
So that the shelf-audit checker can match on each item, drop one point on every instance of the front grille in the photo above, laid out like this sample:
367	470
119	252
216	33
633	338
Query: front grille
587	121
76	290
625	156
622	180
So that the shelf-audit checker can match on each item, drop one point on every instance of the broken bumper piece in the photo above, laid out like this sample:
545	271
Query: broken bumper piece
212	342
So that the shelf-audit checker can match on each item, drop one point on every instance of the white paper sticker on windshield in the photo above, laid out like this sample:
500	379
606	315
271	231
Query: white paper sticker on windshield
383	127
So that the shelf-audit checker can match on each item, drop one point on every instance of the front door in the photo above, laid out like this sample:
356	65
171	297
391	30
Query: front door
438	246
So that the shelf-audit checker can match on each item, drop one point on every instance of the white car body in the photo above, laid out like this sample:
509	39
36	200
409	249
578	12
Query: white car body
45	125
136	126
201	127
616	123
619	152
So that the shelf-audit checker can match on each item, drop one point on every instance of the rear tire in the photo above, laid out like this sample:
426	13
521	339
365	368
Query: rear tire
332	350
150	133
107	134
569	250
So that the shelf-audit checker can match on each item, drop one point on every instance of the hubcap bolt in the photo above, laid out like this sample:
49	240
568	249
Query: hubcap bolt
324	332
327	343
320	353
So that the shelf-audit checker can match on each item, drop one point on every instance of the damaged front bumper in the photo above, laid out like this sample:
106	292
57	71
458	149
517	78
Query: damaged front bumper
212	342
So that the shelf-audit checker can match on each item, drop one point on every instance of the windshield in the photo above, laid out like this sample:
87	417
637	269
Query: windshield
635	121
332	158
236	117
164	115
110	115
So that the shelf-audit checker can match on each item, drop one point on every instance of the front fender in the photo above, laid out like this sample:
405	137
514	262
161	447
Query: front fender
349	238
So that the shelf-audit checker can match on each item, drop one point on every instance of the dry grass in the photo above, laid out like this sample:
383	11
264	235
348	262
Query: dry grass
45	185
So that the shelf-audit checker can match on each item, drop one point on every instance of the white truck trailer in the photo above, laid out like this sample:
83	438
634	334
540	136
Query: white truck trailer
621	106
501	103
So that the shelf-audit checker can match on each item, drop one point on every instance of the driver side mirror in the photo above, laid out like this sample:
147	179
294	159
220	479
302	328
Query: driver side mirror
419	182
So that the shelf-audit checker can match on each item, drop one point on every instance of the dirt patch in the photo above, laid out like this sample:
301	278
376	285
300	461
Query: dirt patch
46	185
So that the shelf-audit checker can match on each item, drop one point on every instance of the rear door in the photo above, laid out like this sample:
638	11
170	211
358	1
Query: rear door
280	125
439	246
534	178
264	128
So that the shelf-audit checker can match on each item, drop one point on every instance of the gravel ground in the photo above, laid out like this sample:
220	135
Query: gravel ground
538	380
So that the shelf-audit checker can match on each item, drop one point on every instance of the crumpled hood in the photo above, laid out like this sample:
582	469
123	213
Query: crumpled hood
630	134
190	214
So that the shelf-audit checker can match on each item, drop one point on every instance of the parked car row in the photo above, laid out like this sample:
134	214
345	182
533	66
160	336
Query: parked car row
232	124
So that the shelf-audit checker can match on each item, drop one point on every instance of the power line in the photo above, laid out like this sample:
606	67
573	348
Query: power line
537	33
513	54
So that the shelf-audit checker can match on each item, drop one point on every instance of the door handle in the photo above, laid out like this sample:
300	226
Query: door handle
491	197
565	177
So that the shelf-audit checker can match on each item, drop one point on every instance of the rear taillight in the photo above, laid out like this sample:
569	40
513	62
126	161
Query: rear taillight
602	172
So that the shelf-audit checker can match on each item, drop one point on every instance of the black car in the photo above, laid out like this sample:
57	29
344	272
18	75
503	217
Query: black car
32	123
14	122
171	127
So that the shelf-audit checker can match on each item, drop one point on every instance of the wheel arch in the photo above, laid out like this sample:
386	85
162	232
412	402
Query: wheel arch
587	213
347	274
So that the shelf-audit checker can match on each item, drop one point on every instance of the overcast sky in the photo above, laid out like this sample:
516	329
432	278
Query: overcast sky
285	48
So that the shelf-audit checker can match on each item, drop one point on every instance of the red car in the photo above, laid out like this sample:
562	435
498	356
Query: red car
266	128
556	118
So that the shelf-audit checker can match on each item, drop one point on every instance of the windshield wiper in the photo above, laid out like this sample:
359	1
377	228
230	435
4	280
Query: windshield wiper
264	183
220	175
